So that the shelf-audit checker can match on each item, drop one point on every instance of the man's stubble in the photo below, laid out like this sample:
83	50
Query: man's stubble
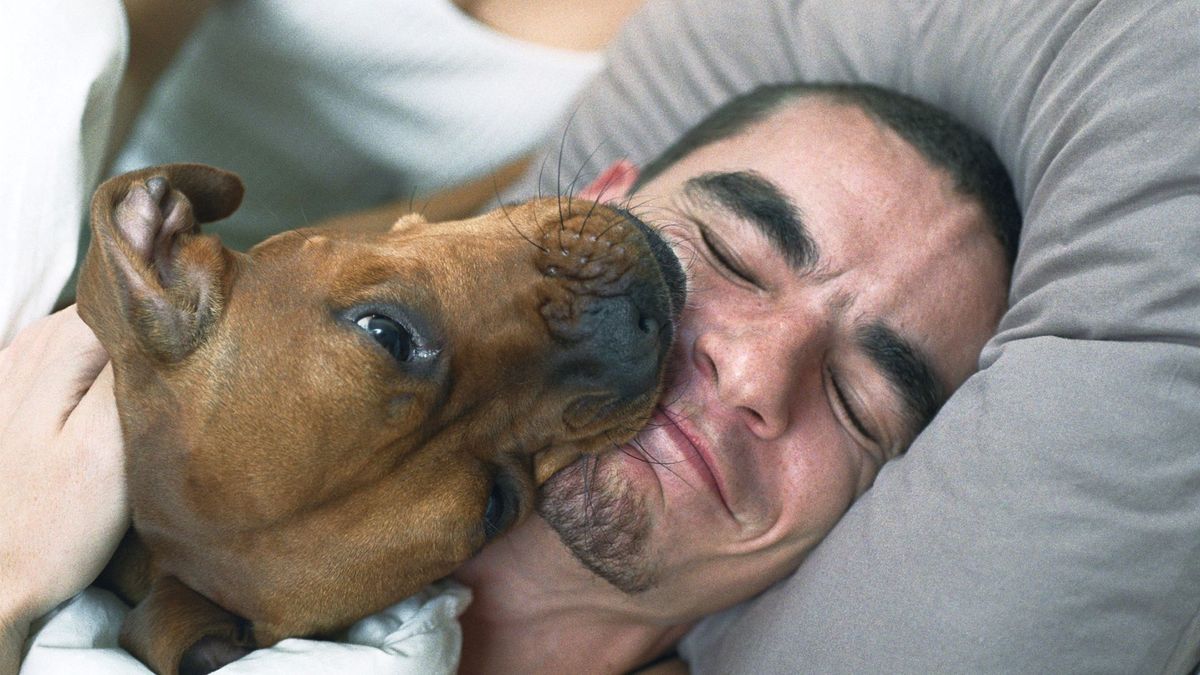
602	521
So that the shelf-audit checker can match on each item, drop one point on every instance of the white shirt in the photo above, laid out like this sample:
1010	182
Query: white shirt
326	107
60	64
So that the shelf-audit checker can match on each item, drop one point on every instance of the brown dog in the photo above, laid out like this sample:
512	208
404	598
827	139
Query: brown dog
319	428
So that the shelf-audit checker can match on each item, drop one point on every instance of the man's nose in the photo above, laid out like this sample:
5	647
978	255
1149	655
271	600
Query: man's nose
762	372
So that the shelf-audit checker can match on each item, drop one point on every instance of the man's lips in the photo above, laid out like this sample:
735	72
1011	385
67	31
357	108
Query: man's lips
692	448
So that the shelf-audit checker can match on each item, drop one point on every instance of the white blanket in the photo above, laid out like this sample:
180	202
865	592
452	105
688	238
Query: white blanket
420	635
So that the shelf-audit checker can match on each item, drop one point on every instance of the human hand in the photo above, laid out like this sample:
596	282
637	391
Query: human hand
62	464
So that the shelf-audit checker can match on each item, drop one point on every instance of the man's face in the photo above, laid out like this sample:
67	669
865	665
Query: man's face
838	290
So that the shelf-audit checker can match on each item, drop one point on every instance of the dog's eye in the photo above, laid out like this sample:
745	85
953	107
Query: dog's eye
393	337
501	511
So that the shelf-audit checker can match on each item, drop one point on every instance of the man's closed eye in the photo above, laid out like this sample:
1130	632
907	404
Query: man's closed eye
724	258
851	415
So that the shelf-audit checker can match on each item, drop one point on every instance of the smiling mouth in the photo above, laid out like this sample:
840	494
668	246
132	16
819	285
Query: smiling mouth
694	451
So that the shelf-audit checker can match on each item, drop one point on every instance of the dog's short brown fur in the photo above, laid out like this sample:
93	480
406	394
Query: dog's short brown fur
294	462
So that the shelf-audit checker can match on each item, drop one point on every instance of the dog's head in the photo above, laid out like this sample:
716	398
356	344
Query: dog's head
335	403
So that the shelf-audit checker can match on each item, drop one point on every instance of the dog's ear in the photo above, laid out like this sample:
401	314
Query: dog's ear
149	275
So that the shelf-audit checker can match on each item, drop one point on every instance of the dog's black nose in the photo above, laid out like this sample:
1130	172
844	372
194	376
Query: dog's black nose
616	326
623	341
618	343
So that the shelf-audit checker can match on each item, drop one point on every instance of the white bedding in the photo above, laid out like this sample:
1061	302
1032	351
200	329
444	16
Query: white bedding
419	635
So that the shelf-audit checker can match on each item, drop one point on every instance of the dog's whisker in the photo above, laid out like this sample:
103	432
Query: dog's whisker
606	230
558	177
641	206
626	205
587	216
651	459
579	172
588	476
496	192
630	454
426	204
562	143
595	203
508	217
412	197
643	453
561	219
676	396
301	234
532	243
541	175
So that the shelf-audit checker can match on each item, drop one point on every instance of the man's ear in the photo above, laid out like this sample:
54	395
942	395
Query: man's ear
149	278
613	183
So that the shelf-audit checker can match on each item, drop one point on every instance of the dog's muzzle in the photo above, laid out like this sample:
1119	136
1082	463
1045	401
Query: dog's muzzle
618	326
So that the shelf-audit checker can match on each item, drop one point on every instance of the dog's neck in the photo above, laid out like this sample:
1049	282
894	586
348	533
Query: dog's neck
535	604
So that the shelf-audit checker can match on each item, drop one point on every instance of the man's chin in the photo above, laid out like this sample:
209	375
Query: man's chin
603	521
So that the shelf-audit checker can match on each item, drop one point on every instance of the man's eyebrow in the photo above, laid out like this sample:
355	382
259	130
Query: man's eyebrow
752	197
907	369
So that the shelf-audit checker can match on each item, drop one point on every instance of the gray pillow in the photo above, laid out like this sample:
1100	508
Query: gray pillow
1049	519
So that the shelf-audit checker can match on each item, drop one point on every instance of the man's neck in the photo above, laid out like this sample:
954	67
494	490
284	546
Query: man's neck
537	609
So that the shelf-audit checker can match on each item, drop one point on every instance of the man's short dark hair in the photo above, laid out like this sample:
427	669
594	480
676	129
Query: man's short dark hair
940	138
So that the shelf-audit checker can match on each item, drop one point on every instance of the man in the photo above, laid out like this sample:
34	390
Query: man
841	285
844	267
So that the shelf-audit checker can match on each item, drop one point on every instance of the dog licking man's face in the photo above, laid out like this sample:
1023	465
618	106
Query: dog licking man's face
785	398
320	427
